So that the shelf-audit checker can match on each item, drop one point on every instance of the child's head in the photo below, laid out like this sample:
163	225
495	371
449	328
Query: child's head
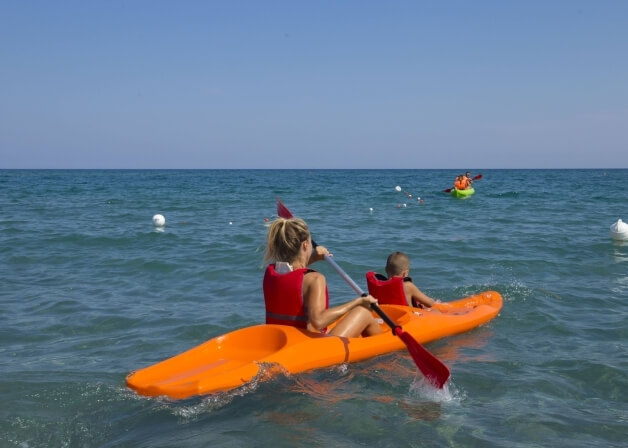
396	264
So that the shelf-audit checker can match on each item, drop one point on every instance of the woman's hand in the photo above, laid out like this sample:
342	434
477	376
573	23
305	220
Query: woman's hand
318	254
367	301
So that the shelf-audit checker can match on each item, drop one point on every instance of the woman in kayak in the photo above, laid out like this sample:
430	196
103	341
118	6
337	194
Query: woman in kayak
297	296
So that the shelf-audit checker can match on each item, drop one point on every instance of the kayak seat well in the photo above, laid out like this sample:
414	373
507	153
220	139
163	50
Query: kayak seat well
253	342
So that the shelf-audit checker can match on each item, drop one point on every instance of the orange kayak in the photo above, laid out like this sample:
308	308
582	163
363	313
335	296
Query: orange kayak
232	359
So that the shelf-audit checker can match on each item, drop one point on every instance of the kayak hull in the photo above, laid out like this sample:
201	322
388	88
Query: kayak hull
233	359
462	193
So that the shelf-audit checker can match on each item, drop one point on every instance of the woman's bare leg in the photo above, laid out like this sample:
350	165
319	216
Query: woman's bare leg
356	322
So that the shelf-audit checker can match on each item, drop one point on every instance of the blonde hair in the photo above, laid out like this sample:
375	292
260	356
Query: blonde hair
396	263
284	239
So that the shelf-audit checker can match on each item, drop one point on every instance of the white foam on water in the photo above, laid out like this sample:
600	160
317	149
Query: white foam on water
218	400
424	390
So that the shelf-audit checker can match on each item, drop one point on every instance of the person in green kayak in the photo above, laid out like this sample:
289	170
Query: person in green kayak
296	295
469	180
460	183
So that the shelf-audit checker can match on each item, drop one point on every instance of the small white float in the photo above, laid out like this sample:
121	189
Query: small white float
619	230
159	221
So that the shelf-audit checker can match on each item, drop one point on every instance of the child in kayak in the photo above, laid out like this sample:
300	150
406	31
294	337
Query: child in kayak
398	287
297	296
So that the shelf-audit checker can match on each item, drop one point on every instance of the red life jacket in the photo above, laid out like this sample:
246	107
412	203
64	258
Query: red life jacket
387	292
283	296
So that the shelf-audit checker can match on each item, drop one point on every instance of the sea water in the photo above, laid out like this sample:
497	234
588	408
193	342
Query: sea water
90	290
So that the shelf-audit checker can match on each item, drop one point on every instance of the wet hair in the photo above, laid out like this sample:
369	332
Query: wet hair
284	239
396	263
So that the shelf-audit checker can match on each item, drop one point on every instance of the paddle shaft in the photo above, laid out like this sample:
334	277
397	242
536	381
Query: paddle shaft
285	213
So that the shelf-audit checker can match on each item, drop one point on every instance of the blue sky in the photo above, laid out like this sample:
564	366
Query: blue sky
314	84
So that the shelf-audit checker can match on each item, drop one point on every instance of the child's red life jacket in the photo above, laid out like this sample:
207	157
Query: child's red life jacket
283	296
387	291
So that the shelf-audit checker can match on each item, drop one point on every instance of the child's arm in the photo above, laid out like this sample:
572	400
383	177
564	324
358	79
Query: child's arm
412	292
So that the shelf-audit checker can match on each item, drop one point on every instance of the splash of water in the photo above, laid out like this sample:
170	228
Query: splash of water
423	390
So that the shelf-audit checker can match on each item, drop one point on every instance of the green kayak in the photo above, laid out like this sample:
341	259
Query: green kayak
462	193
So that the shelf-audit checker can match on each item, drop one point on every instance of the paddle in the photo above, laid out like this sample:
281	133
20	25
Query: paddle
432	368
478	177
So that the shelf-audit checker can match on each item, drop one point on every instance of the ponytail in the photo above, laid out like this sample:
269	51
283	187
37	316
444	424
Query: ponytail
284	239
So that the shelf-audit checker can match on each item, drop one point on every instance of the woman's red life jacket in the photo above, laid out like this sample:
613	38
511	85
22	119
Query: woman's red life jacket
283	296
387	291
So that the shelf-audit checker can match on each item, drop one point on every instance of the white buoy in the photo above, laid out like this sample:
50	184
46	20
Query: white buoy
159	221
619	230
371	209
398	188
230	223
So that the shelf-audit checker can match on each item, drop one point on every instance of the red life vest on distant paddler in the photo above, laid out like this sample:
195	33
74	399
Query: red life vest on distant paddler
283	296
387	291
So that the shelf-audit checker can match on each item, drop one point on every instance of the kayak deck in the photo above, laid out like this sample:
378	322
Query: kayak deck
231	360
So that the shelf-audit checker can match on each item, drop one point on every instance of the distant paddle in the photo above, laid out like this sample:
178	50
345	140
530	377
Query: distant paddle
478	177
432	368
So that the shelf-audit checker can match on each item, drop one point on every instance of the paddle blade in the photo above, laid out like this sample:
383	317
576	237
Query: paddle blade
430	366
282	210
478	177
447	190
